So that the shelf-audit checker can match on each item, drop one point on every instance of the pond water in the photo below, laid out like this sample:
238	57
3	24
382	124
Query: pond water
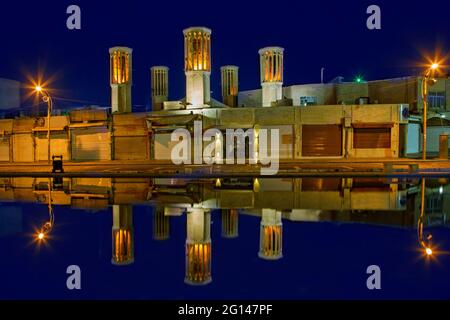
229	238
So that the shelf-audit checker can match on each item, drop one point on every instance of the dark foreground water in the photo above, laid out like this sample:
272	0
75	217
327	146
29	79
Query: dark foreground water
310	238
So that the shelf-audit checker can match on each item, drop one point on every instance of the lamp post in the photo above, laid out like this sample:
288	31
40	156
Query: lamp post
425	80
48	99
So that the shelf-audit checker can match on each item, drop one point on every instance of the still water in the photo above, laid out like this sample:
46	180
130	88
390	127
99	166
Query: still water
230	238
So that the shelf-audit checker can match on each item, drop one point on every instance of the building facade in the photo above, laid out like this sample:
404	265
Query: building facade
332	120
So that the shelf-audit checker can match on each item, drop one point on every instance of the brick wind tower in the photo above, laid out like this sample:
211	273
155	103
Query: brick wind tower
271	235
271	70
120	78
159	86
122	235
230	85
198	247
197	66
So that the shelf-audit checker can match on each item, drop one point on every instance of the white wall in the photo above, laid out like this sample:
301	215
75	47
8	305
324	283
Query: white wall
413	138
433	137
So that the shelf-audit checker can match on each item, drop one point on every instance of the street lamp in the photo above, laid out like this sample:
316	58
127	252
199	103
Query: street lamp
48	99
426	78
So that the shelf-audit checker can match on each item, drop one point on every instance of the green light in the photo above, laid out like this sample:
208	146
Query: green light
359	79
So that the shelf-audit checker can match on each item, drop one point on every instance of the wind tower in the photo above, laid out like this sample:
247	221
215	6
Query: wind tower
230	219
271	235
120	78
161	224
271	70
122	235
230	85
159	86
197	66
198	247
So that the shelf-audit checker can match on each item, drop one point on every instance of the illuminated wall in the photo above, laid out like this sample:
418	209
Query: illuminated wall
159	86
198	247
197	66
120	78
271	235
230	85
122	235
271	71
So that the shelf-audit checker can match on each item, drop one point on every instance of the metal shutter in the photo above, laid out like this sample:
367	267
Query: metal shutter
321	140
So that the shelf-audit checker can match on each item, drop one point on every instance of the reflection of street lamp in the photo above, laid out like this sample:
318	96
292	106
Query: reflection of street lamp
426	78
48	99
48	226
424	243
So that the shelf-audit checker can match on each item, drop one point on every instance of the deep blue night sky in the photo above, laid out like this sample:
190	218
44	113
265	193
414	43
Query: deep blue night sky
321	261
315	34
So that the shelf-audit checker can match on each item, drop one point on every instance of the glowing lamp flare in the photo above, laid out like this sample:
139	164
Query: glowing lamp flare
434	66
428	251
41	236
38	88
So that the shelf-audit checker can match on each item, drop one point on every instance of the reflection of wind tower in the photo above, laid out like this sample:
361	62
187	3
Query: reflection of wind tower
230	219
160	86
122	235
197	65
120	78
161	224
271	235
198	247
230	84
271	65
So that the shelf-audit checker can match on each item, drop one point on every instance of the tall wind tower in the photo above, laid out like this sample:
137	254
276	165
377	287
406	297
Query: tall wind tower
271	235
122	235
160	86
230	85
197	66
271	69
198	247
120	78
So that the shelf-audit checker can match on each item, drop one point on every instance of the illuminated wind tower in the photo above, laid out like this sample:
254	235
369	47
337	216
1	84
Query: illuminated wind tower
197	66
120	78
160	86
230	219
230	85
271	235
161	225
198	247
122	235
271	66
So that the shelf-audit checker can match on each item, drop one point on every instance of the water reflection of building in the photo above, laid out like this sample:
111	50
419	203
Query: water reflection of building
161	224
271	235
436	202
230	221
198	247
367	200
371	200
122	235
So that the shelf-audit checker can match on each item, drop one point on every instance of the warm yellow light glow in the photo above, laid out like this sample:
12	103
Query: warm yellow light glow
256	185
434	66
41	236
38	88
428	251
